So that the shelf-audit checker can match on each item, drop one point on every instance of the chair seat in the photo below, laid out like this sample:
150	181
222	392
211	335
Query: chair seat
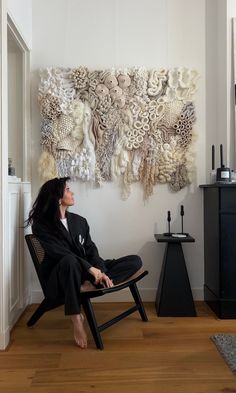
118	287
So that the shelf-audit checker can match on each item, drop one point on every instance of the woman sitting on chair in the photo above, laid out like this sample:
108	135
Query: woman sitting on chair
72	263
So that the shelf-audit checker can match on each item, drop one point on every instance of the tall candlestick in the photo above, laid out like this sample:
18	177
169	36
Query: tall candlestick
182	214
221	155
213	157
169	220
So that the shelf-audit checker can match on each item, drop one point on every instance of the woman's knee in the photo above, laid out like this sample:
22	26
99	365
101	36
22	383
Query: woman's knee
69	263
136	262
139	262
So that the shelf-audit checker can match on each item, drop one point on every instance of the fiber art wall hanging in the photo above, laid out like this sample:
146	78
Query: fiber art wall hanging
135	125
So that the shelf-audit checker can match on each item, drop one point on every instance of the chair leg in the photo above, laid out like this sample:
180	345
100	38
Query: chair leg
134	290
42	308
88	310
45	306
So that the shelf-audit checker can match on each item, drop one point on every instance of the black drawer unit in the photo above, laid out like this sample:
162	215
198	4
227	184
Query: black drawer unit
220	248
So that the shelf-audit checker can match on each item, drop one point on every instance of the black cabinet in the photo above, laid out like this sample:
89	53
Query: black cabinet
220	248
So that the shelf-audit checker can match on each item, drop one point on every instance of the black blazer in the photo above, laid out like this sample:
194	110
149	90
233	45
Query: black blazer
59	243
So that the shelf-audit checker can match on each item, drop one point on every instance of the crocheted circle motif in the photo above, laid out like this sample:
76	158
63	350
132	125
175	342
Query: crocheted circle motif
120	102
101	90
124	81
110	81
116	92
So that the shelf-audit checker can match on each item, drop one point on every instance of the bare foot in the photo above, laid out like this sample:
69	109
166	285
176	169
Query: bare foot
87	286
79	332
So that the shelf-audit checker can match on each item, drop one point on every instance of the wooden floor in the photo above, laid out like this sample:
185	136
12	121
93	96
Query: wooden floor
164	355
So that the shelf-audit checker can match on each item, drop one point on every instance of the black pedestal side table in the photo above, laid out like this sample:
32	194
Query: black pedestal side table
174	296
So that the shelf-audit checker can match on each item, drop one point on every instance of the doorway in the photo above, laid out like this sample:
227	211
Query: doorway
18	69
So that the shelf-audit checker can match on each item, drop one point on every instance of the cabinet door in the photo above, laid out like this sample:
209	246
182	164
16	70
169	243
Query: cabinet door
228	255
211	240
228	199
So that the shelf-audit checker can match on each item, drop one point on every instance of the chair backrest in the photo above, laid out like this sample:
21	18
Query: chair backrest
37	254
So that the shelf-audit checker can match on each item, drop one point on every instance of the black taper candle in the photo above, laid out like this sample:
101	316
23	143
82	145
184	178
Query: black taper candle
169	220
182	215
213	157
221	155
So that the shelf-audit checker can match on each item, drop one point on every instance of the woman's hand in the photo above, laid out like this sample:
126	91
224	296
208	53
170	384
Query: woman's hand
96	273
100	278
106	281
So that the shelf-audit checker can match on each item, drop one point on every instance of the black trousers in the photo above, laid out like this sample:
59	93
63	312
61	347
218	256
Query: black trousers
68	275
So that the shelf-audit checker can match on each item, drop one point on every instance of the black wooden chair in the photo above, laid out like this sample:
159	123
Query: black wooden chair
37	255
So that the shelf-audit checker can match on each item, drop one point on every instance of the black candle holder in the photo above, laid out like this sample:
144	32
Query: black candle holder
168	220
177	234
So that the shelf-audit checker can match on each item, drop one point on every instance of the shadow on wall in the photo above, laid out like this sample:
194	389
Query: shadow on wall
152	256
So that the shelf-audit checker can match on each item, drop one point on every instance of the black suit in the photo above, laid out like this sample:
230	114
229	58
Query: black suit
69	255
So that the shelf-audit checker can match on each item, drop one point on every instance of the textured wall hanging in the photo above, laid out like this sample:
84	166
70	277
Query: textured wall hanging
133	124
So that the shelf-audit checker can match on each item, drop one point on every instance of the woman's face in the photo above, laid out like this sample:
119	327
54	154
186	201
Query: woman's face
68	197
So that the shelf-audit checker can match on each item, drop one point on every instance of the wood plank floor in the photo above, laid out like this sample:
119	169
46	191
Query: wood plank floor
164	355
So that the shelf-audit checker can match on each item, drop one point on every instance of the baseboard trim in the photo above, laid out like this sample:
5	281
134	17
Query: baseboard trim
198	294
36	296
4	339
147	295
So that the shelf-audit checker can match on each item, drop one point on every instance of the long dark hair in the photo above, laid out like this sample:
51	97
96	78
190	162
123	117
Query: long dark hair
46	206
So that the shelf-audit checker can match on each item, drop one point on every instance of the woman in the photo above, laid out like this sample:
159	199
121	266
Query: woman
72	263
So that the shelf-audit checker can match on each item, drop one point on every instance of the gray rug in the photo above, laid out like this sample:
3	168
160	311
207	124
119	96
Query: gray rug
226	344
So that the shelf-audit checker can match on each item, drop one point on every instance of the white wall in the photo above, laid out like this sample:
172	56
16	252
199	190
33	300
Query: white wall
231	13
118	33
20	12
220	118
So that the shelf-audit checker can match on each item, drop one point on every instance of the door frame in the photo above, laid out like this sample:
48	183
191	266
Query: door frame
5	23
4	277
